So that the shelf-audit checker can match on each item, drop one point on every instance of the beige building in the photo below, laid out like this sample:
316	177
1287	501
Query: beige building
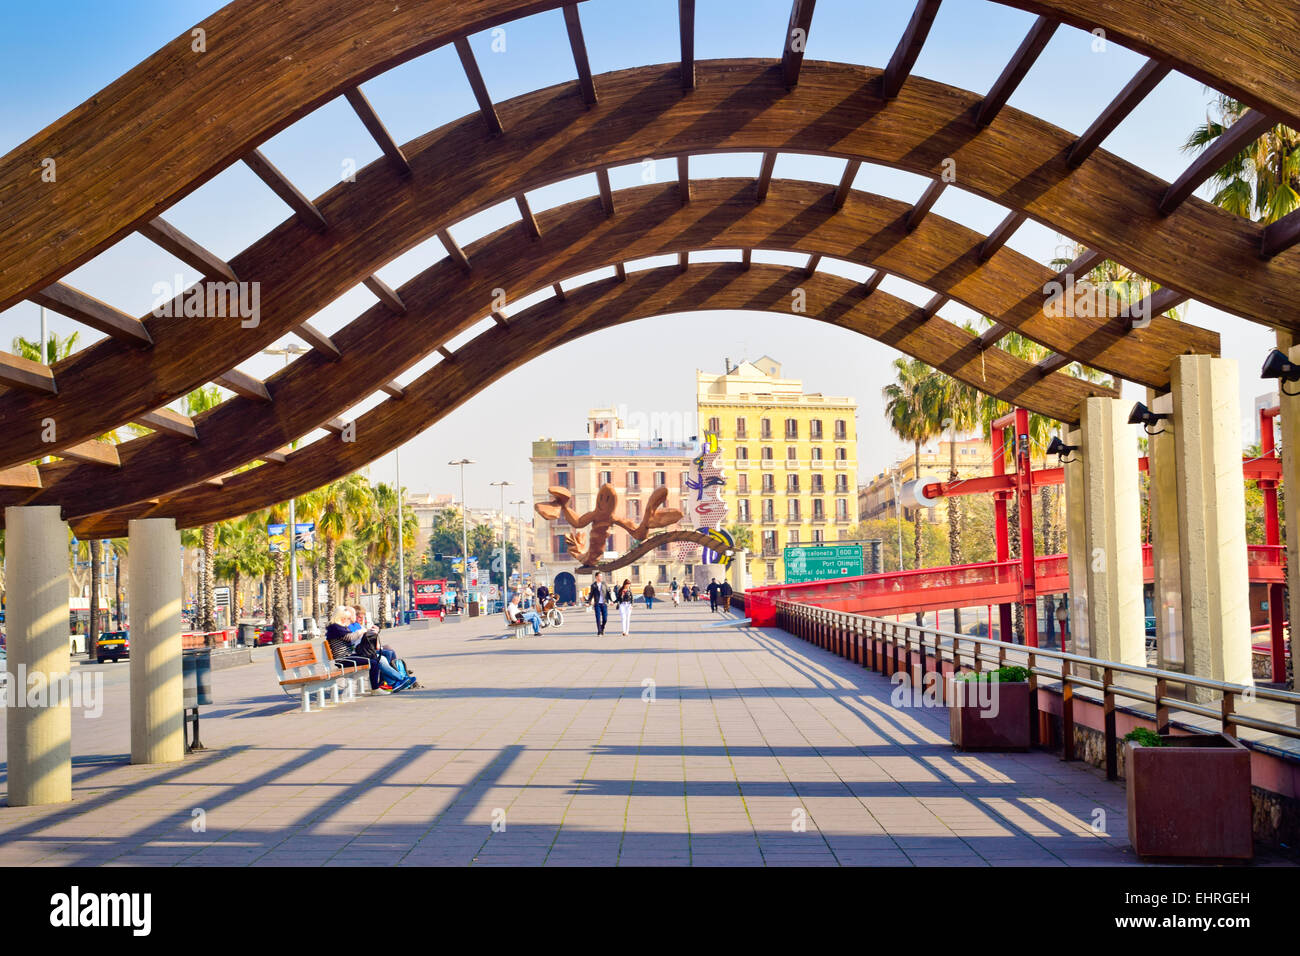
876	498
428	507
610	454
791	459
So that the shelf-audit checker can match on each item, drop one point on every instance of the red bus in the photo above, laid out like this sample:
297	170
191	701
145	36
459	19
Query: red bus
428	597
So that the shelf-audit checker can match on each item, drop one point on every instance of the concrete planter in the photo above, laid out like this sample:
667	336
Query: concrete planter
994	717
1190	799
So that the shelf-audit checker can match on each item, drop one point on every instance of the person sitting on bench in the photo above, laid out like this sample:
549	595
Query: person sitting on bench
514	614
386	672
342	643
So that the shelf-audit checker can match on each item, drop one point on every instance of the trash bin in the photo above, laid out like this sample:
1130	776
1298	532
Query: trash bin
196	677
473	608
248	634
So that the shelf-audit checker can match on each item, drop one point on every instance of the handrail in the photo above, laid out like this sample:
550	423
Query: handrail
835	628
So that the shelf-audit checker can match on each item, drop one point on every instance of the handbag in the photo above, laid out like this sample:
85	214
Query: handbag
368	646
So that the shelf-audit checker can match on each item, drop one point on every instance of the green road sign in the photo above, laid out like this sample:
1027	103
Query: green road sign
817	562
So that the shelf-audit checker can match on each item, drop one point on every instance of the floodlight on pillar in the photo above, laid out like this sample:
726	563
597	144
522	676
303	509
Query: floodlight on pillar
1278	366
1141	415
1060	449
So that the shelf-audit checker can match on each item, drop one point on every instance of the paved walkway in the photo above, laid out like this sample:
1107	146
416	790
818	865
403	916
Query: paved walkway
755	749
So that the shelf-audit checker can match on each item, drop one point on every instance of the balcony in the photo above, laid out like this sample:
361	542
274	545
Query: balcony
794	519
791	464
817	463
843	464
769	464
742	463
843	520
769	519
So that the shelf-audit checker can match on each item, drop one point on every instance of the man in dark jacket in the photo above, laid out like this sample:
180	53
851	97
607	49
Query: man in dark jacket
714	591
599	596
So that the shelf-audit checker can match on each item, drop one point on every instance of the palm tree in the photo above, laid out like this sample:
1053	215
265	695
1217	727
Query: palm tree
958	410
121	547
342	502
350	565
378	534
197	402
57	347
1262	182
308	508
278	514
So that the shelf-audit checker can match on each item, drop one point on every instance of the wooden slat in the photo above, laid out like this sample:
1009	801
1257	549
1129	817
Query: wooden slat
375	127
92	453
476	84
684	177
304	208
1280	235
573	24
166	236
1052	363
1001	233
318	340
1162	300
454	251
747	258
88	310
991	336
796	35
20	476
810	267
526	216
559	291
241	383
686	26
335	426
170	421
908	49
385	294
1086	261
1134	92
923	205
499	316
932	307
620	270
277	457
18	372
765	174
392	389
1233	140
846	184
873	283
606	192
446	354
1021	63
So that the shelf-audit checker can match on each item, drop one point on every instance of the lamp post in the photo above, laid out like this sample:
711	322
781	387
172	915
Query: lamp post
288	349
401	551
464	532
519	514
898	510
505	563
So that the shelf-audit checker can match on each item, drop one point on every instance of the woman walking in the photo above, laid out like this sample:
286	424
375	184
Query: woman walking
625	604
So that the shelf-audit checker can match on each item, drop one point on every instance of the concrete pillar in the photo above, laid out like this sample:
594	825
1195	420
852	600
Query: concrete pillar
1112	536
1076	546
157	696
1288	437
1166	560
739	570
1212	519
38	728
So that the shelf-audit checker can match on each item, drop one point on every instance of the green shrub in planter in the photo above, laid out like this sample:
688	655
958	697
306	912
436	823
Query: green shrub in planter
1006	675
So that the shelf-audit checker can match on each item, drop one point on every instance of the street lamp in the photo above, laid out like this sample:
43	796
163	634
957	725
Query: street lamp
401	551
505	563
288	349
464	532
519	514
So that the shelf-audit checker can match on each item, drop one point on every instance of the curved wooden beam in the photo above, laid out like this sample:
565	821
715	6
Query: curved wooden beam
737	105
601	305
577	238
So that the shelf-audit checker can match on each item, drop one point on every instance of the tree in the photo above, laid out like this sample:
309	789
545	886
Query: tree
957	410
343	502
57	347
910	408
743	536
197	402
1262	181
350	567
378	534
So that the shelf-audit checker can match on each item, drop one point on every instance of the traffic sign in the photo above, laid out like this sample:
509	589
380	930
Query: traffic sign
821	562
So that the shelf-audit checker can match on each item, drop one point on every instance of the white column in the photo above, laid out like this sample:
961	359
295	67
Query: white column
1212	519
38	729
1076	545
157	696
738	569
1113	543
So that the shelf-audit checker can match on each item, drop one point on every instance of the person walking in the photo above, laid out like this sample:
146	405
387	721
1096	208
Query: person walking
649	594
714	592
695	592
625	604
599	597
725	593
676	594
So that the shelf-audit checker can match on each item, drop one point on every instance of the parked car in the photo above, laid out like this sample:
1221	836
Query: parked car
114	645
267	636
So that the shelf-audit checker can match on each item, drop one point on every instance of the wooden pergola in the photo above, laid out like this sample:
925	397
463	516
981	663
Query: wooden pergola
181	117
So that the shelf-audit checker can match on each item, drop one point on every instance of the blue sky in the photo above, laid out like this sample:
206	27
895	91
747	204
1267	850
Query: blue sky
56	54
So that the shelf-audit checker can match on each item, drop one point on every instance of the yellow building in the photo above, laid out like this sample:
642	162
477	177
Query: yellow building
791	459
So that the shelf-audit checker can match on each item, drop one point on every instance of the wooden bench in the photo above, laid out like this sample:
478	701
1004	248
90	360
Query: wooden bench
517	628
306	666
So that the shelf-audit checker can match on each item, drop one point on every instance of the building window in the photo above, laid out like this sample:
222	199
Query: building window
606	477
815	429
765	428
769	511
767	452
633	481
561	479
794	538
742	453
634	506
771	570
685	488
819	510
769	485
841	429
817	536
816	453
791	428
841	484
715	425
817	484
740	428
841	454
792	484
742	510
560	547
636	572
661	479
769	546
841	508
742	484
663	568
791	453
793	506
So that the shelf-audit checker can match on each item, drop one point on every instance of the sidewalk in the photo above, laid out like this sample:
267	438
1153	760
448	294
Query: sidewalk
756	749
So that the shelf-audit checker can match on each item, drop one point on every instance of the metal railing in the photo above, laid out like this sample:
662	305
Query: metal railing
877	643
